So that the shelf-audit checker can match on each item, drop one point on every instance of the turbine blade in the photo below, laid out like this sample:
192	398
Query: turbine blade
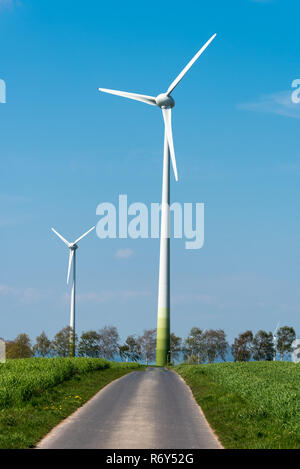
61	237
167	114
82	236
188	66
70	263
137	97
276	329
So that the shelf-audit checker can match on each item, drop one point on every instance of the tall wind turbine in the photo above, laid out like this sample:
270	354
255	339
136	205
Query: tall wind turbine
166	103
72	257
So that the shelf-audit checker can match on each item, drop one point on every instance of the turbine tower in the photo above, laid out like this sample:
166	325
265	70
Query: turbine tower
275	339
72	257
166	103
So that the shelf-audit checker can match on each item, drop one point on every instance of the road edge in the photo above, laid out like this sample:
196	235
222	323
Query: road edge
200	408
54	430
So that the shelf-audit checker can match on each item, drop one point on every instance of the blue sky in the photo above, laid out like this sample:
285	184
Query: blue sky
65	148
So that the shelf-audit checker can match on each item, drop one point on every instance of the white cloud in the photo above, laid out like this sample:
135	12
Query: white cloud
106	296
124	253
28	295
201	298
6	290
279	103
33	295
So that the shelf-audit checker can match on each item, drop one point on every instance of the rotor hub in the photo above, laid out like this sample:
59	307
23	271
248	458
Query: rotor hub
73	247
164	101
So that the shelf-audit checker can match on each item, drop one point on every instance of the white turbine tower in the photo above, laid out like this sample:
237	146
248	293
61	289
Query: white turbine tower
166	103
72	257
275	339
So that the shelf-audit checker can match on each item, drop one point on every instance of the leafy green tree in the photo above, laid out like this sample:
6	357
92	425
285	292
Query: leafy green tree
215	344
193	349
131	349
263	347
175	347
147	344
43	345
108	342
19	348
242	347
89	345
285	337
61	342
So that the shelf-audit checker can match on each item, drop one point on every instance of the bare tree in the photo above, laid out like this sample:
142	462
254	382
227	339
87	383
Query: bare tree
147	344
175	347
108	342
194	350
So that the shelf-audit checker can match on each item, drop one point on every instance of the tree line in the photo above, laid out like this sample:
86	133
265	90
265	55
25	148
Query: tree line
199	347
104	343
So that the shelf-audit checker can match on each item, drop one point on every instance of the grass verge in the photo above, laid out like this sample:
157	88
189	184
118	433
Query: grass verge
249	405
23	424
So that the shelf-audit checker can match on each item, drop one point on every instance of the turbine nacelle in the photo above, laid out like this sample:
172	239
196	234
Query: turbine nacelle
164	101
72	246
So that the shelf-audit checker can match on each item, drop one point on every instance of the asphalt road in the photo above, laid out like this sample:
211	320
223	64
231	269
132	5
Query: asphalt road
145	409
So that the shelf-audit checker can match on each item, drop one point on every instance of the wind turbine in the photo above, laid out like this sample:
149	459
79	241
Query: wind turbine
166	103
72	257
275	339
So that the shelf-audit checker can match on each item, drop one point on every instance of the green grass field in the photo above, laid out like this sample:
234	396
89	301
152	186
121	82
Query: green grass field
249	405
36	394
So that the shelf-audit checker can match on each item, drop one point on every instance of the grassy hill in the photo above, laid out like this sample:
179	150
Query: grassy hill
249	405
37	393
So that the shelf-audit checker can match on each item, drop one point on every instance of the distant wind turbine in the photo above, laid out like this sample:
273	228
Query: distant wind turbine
275	339
72	257
166	103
